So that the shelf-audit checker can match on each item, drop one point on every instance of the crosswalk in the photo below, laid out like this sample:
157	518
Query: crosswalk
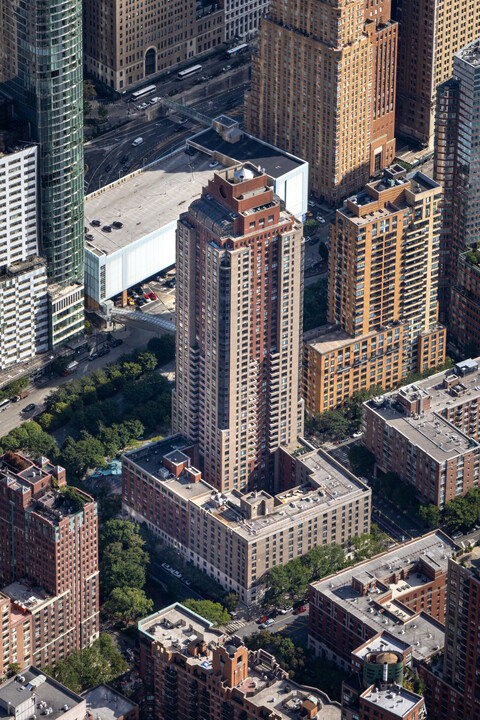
144	317
235	625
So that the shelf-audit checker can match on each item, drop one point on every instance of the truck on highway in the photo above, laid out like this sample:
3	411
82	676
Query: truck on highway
137	141
20	396
71	368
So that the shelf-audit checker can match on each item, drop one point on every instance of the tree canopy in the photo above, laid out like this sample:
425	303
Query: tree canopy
128	604
212	611
82	669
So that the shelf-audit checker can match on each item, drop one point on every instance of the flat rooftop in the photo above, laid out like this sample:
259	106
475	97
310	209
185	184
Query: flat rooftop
470	53
430	430
328	485
105	703
45	692
145	201
176	627
395	699
383	642
326	338
284	698
381	608
24	595
246	148
471	560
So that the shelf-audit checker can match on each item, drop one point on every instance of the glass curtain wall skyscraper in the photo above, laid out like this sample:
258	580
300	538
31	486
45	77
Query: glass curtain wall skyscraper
41	70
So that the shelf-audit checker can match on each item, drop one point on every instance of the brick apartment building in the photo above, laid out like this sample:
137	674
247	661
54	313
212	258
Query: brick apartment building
195	671
452	685
428	433
128	43
323	88
48	563
375	685
402	591
464	311
236	538
239	323
382	294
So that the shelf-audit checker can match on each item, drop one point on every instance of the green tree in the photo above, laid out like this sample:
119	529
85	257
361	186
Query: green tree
102	112
89	92
212	611
430	515
361	460
163	347
147	361
231	601
13	669
334	423
310	227
82	669
128	603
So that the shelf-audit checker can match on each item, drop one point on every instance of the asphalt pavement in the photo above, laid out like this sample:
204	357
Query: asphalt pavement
111	156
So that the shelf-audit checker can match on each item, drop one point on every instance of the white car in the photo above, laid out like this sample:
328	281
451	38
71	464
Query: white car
320	219
155	100
285	610
266	624
213	164
142	106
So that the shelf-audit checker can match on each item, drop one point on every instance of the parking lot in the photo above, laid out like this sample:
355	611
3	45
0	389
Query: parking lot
156	296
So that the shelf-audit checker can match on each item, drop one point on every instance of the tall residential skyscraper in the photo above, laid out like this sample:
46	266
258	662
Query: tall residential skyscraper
323	88
457	168
41	69
453	690
429	33
48	562
382	296
239	323
23	274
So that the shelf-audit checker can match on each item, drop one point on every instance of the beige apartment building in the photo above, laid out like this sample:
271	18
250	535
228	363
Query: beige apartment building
236	538
323	88
238	341
382	294
430	32
126	42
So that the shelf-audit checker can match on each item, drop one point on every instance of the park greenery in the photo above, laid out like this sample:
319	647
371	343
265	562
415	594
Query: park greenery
104	412
13	388
123	564
289	583
212	611
339	423
83	669
315	304
300	662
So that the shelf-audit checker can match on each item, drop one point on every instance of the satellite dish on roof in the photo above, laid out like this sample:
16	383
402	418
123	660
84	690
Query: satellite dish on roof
243	174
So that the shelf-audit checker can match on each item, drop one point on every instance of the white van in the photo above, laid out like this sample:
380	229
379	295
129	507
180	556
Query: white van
137	141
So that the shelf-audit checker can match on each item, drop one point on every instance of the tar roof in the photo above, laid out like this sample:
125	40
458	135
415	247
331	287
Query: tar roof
381	608
177	627
394	698
48	691
284	698
275	162
145	201
108	704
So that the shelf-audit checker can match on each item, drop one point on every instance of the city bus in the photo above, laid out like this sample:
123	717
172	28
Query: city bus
189	71
139	94
4	403
237	50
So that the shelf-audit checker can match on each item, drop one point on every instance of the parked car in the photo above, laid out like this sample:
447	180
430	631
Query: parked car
29	408
285	610
104	351
261	619
300	610
320	219
106	228
93	356
266	624
213	164
116	342
96	223
152	296
117	224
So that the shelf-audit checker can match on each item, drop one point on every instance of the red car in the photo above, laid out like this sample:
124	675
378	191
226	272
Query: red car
299	610
261	620
152	296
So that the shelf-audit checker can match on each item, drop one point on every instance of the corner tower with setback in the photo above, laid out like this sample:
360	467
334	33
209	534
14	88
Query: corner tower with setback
239	324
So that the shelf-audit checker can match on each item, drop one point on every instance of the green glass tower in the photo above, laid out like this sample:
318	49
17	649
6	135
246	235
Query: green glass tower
41	70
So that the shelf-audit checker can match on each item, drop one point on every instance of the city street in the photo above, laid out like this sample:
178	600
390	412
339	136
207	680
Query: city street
112	156
14	414
295	626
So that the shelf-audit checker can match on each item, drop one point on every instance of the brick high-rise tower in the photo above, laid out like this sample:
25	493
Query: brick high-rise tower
48	543
239	323
323	88
455	692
